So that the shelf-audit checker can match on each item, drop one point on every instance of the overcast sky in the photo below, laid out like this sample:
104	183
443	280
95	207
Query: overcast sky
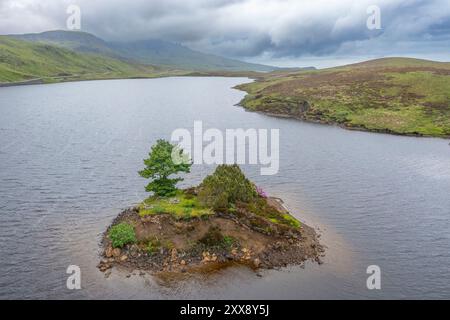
281	32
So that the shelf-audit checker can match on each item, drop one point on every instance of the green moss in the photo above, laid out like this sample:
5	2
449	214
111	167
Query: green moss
181	206
261	208
287	218
188	203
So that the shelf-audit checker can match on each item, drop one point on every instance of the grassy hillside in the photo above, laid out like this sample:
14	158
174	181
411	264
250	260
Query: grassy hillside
153	52
393	95
73	40
22	60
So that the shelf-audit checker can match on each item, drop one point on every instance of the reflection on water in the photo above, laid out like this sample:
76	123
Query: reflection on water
69	154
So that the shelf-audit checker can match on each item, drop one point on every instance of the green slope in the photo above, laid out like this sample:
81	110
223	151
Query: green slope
74	40
23	60
153	52
393	95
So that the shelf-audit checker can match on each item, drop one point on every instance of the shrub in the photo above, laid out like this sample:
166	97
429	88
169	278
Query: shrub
229	241
215	239
226	186
122	234
212	238
153	246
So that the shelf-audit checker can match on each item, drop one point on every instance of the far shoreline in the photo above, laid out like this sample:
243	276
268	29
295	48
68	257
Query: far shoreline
226	74
253	75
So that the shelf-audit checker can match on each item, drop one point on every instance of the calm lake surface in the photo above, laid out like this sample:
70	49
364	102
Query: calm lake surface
69	156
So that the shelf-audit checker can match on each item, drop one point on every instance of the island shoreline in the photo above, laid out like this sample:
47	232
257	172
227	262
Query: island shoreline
260	251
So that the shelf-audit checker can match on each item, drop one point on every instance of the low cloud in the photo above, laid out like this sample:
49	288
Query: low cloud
250	28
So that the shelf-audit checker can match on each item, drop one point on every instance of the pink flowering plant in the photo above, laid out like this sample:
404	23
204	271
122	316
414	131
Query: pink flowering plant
261	192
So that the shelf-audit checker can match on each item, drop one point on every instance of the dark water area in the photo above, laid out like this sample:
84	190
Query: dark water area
69	156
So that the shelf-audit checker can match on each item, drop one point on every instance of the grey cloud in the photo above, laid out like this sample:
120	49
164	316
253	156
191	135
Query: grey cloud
249	28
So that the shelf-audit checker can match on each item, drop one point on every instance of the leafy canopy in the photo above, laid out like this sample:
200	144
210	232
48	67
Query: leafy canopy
160	165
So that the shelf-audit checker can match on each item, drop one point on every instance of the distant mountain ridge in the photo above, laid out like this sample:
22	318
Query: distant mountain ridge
152	52
77	41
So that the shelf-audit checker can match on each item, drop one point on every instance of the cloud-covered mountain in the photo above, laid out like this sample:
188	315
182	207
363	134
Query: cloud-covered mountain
152	52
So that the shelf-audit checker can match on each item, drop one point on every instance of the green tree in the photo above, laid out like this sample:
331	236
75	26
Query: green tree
160	166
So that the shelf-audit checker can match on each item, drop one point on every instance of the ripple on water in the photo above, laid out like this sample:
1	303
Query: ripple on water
70	155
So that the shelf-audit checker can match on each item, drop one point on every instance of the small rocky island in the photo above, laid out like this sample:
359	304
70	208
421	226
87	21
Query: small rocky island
225	220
